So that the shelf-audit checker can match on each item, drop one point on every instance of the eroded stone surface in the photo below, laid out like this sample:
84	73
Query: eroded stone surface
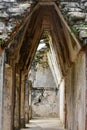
75	94
7	107
17	107
75	13
11	15
45	103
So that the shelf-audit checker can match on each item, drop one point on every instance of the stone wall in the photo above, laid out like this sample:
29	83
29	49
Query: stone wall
45	94
75	95
45	103
41	73
44	77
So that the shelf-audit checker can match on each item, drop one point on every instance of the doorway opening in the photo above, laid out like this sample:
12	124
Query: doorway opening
46	85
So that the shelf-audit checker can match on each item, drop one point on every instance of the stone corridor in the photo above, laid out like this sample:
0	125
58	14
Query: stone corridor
44	124
47	81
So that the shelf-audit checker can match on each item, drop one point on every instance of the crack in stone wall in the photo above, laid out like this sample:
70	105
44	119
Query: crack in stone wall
45	103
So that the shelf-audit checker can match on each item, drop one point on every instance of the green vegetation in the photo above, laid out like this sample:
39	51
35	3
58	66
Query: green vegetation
74	30
1	41
80	26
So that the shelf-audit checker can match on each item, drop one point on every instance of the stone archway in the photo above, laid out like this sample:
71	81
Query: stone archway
19	53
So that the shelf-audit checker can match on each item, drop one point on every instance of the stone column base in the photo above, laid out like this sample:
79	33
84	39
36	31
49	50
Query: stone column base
22	123
26	118
16	128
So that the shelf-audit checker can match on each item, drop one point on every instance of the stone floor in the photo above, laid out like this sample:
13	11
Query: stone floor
44	124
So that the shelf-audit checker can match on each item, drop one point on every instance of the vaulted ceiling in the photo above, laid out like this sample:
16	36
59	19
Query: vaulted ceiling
44	17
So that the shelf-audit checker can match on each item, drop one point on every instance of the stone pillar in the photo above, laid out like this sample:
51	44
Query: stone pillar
86	97
26	102
2	67
22	110
8	96
13	98
17	103
30	100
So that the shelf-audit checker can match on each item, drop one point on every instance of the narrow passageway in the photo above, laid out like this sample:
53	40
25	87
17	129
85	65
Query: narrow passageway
43	65
44	106
44	124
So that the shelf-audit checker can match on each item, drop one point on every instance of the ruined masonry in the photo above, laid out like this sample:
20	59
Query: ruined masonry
43	64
